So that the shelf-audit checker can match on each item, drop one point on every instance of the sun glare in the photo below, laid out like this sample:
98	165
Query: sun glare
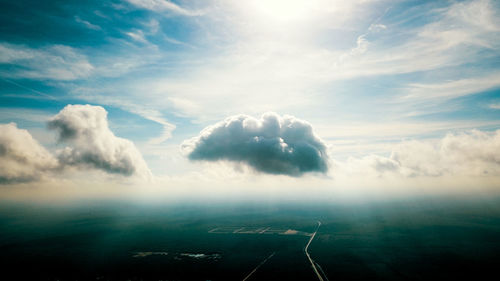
284	10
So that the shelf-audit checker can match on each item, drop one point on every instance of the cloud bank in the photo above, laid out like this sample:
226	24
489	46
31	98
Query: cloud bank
22	158
272	144
473	153
92	144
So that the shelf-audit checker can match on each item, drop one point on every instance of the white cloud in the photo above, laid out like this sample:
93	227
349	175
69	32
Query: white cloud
272	144
494	106
138	36
164	6
155	116
143	109
377	27
56	62
92	144
284	68
22	158
470	154
166	134
480	13
87	23
188	107
452	89
153	25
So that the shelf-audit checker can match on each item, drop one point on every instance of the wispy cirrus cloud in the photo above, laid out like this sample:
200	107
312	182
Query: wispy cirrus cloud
452	89
494	106
138	36
454	38
87	23
164	6
258	68
54	62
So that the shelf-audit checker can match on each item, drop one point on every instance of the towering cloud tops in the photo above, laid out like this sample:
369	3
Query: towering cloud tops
92	144
89	144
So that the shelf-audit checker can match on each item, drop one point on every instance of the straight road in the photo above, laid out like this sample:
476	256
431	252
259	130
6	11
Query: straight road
260	264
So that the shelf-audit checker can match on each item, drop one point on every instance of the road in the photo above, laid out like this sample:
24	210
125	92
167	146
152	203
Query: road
313	264
260	264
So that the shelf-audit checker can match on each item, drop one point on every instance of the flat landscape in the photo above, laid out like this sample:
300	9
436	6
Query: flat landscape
121	241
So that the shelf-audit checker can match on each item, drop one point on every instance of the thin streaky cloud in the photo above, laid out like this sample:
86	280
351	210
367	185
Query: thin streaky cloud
29	89
53	62
87	24
452	89
494	106
164	6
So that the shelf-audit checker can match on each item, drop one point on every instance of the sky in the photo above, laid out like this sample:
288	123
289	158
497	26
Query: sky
265	98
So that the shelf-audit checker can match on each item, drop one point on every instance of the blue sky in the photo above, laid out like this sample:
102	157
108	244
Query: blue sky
368	76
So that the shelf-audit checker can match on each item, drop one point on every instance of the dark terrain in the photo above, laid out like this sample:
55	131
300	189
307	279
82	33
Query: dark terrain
424	239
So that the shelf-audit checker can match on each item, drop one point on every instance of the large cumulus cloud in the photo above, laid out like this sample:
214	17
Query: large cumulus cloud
22	158
272	144
92	144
